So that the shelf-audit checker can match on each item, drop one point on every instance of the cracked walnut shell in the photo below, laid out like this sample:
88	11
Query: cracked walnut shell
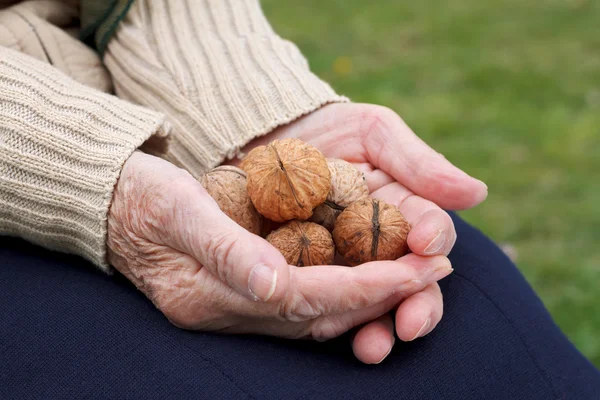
348	185
227	185
303	243
287	179
371	230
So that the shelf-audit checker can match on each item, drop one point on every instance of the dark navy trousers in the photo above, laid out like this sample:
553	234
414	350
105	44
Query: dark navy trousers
70	332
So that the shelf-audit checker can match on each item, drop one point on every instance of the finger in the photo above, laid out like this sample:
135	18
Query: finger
330	326
374	341
419	314
321	328
250	318
375	177
393	147
333	297
325	290
242	260
432	230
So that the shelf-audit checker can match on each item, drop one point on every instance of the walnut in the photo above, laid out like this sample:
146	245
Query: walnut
287	179
303	243
371	230
227	185
348	185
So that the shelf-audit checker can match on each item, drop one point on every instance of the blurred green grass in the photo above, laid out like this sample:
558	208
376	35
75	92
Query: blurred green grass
508	90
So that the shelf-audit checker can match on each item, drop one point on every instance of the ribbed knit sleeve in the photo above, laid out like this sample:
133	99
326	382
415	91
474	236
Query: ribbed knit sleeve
217	69
62	147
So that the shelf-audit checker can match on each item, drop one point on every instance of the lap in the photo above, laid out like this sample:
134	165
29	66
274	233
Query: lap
68	331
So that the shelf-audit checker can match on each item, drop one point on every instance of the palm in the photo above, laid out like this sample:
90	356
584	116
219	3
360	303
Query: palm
169	237
402	170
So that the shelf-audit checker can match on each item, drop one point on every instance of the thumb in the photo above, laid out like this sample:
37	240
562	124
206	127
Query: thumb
247	263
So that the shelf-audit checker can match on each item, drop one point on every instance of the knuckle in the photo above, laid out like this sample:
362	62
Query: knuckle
372	123
377	118
359	297
297	308
328	328
218	252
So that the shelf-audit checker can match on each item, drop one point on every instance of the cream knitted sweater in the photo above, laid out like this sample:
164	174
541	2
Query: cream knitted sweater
212	72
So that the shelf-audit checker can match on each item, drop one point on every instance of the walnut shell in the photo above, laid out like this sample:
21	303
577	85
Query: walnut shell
348	185
227	185
287	179
371	230
303	243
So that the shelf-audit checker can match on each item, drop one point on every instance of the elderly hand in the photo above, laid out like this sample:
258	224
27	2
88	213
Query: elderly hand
402	170
204	272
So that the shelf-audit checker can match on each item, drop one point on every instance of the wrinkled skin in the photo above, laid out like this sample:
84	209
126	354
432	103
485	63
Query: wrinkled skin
205	272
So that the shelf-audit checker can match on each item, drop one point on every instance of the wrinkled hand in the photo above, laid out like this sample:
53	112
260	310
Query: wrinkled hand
402	170
204	272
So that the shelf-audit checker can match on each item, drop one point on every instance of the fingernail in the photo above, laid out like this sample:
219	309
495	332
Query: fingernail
445	270
262	282
436	244
388	352
423	329
483	184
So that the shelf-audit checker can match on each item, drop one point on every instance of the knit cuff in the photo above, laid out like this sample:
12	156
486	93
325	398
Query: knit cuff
62	147
218	71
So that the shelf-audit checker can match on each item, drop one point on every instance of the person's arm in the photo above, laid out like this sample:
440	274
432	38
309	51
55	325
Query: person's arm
217	69
62	147
226	79
71	180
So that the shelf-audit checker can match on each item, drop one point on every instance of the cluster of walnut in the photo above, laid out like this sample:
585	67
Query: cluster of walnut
308	206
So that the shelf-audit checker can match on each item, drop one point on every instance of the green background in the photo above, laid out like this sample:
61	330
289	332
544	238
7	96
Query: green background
508	90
